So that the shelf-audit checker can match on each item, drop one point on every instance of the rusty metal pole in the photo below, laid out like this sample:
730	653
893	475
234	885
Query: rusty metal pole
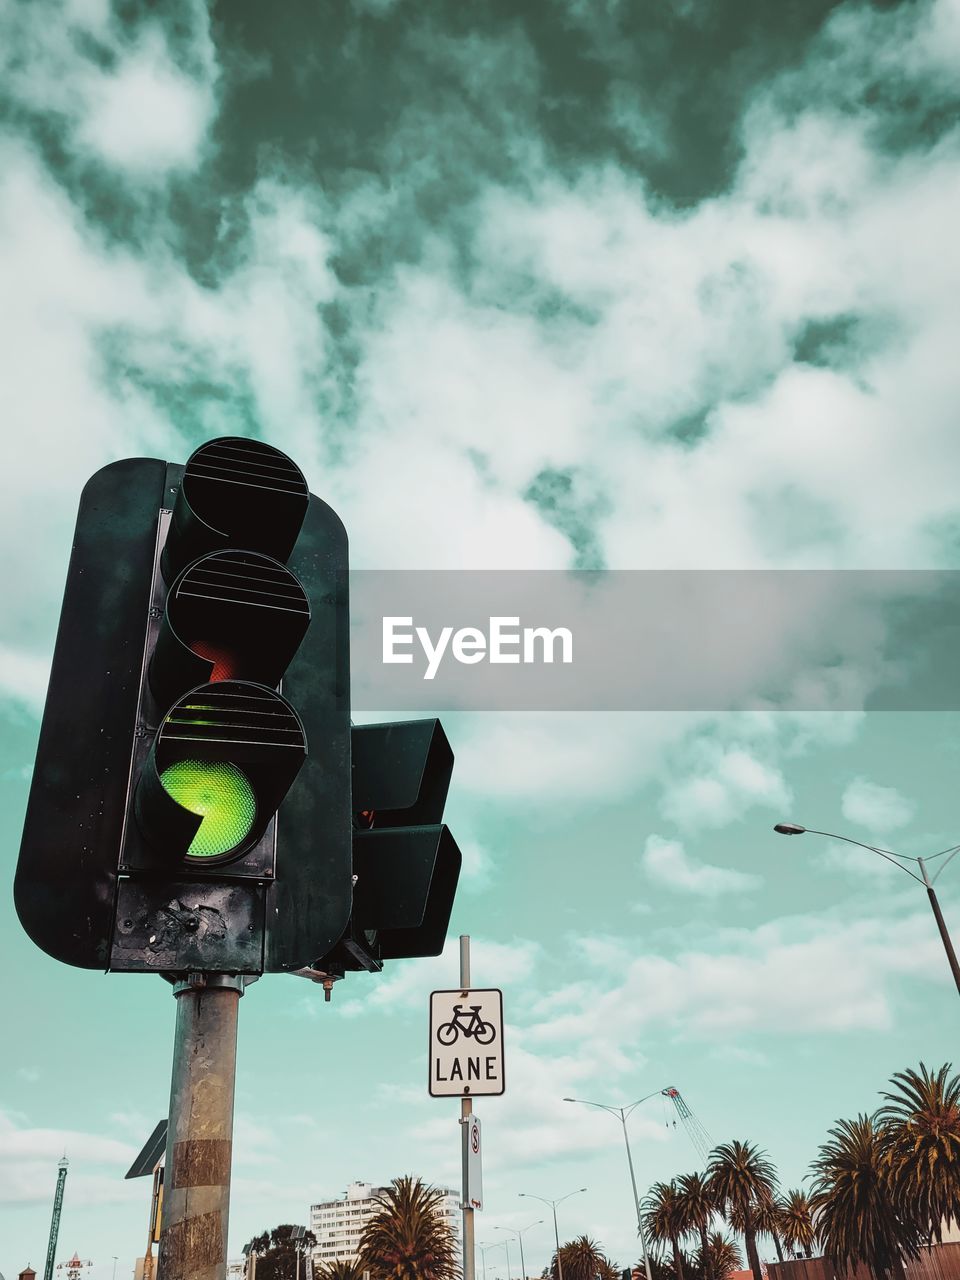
196	1193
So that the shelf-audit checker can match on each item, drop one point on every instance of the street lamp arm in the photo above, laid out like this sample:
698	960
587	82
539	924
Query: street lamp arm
571	1193
621	1112
646	1098
528	1195
952	852
897	859
602	1105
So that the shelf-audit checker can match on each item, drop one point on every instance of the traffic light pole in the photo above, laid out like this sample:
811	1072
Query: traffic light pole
466	1111
196	1200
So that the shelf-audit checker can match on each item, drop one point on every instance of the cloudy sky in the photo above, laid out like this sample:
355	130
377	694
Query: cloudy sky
544	286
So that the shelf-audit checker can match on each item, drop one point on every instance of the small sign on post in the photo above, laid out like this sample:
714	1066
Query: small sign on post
473	1181
466	1043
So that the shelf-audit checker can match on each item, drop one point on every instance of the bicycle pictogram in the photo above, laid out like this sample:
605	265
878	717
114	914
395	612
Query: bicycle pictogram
469	1025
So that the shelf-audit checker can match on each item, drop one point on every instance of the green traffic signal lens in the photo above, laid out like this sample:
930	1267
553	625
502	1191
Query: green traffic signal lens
222	794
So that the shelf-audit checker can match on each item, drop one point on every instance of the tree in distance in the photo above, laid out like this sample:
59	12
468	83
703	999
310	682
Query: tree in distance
796	1223
665	1219
723	1257
340	1269
740	1177
277	1251
766	1221
583	1259
920	1135
695	1210
408	1239
852	1204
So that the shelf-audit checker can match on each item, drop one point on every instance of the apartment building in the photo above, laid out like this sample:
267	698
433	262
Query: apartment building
338	1224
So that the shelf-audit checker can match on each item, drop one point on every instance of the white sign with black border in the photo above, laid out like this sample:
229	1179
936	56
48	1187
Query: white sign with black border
466	1043
473	1180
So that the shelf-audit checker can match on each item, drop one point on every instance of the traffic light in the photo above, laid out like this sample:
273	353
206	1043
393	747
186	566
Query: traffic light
200	681
405	862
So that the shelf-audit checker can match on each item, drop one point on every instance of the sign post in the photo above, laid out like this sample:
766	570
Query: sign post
466	1059
466	1114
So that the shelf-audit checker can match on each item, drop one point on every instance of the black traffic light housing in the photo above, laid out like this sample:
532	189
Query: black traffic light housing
194	595
193	805
405	861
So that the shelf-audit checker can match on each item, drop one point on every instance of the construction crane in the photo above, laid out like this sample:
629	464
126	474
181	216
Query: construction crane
695	1130
55	1220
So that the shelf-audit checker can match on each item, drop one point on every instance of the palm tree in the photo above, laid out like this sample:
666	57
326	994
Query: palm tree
796	1223
696	1209
722	1257
664	1219
337	1270
852	1205
408	1239
739	1176
583	1259
766	1219
921	1141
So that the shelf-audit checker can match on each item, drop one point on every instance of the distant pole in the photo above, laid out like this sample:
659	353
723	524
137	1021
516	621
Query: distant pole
55	1220
938	916
466	1111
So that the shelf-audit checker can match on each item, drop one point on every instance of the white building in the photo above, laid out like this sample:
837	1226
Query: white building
338	1224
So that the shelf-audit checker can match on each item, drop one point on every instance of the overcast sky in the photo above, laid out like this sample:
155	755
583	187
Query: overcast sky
544	286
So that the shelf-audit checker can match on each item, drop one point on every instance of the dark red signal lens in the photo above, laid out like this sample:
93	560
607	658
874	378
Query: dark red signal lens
226	662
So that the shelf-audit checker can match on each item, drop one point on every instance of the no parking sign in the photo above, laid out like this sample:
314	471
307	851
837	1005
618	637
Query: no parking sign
473	1180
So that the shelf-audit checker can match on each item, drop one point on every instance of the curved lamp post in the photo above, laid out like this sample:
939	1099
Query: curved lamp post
899	860
553	1205
623	1114
493	1244
519	1234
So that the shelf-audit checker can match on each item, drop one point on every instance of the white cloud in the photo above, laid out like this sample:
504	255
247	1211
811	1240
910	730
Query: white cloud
144	109
147	117
729	781
668	863
878	808
790	976
23	677
478	870
407	983
28	1155
538	758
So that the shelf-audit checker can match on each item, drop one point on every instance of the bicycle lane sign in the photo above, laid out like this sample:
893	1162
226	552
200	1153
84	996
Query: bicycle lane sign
466	1043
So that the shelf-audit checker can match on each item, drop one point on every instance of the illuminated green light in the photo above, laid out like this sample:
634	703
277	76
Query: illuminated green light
222	794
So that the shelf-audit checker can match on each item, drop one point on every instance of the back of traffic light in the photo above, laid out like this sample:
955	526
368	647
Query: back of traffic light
406	863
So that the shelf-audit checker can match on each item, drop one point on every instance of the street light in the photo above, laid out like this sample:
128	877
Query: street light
553	1205
519	1235
623	1114
494	1244
898	860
